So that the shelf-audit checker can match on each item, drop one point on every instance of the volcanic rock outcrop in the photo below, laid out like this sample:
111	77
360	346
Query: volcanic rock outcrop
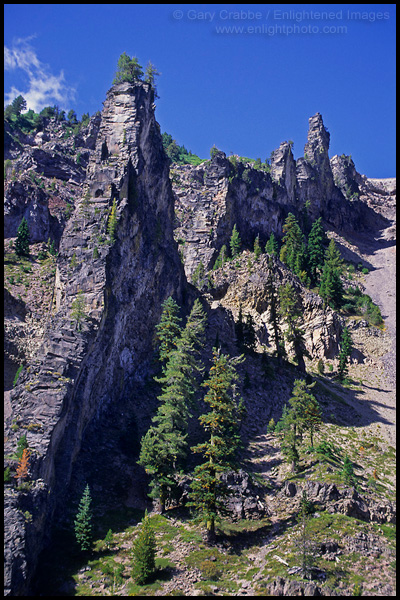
82	366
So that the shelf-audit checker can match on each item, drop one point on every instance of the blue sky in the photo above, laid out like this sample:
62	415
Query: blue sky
245	89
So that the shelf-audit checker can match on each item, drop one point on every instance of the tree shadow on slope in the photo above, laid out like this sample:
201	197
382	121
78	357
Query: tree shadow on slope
61	563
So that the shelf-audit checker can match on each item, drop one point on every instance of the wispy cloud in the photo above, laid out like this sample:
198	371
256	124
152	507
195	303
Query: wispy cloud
43	88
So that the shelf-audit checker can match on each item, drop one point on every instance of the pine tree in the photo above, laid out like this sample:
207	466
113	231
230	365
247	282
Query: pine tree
257	247
221	259
293	251
22	241
168	329
235	242
271	247
83	521
331	287
291	312
294	423
317	242
272	299
345	352
164	447
128	69
222	425
312	418
304	547
144	552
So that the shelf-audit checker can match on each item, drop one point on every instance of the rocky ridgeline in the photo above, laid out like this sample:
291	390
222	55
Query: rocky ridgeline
87	381
77	373
213	196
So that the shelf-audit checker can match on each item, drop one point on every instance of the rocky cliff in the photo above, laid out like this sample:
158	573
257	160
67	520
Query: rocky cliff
77	373
215	195
129	231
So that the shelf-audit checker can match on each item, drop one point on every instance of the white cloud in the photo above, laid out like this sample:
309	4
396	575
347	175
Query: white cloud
43	88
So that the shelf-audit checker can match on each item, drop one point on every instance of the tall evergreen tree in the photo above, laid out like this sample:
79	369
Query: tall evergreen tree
83	521
221	259
317	242
298	419
144	552
222	425
235	242
312	417
291	312
271	247
273	301
168	330
164	447
22	241
293	250
331	287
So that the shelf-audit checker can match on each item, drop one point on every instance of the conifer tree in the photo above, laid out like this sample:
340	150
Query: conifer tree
150	75
222	426
272	299
144	552
271	247
168	329
291	312
22	241
83	521
164	447
331	287
257	247
303	415
305	548
345	352
235	242
221	259
317	242
293	250
128	69
312	417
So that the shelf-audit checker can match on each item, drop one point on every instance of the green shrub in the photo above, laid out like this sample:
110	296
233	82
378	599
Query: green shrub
7	476
209	570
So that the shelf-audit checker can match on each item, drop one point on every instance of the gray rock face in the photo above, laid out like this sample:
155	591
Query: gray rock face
246	500
283	171
73	376
343	500
234	287
23	199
